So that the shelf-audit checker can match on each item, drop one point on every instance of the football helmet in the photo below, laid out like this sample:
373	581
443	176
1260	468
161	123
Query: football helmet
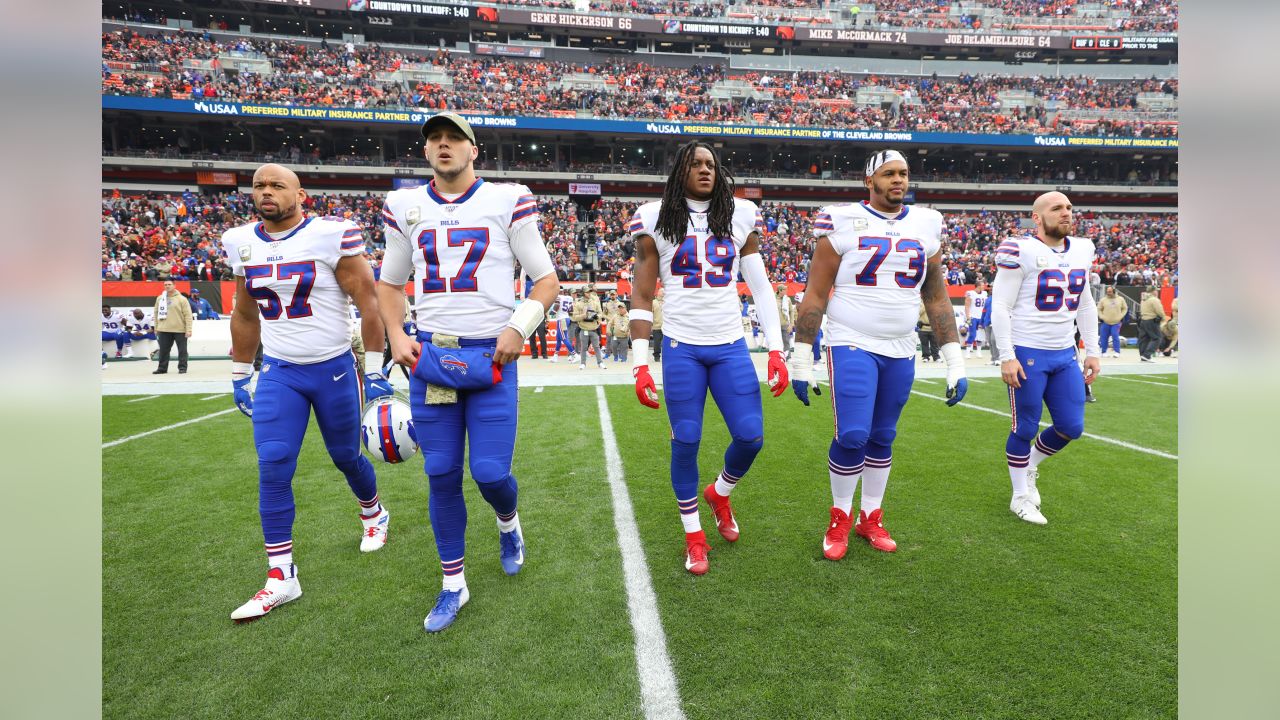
387	430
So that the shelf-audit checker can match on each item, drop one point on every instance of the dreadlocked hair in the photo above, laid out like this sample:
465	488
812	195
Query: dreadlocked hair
673	216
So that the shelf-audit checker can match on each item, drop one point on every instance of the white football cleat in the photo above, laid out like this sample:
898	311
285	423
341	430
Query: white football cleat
277	592
128	351
1033	474
1022	506
375	531
555	358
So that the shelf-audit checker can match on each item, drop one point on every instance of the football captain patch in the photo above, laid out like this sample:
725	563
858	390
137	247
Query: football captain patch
413	215
246	252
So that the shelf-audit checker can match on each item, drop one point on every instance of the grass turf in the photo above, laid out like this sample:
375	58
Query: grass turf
977	614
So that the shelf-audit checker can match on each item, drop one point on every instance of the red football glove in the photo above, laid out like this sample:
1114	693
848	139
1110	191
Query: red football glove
778	377
646	391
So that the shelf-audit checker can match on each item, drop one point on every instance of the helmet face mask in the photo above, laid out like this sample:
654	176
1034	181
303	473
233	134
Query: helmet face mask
387	431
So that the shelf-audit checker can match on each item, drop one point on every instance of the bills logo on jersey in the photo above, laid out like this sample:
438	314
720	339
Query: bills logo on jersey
454	364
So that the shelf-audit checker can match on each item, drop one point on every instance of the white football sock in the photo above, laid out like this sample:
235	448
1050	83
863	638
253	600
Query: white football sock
690	520
725	483
875	477
844	483
1019	477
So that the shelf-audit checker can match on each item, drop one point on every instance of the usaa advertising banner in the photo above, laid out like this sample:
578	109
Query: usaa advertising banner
627	127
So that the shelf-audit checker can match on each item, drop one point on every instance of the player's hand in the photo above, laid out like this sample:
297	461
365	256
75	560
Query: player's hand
777	373
241	374
1012	374
376	386
510	345
1092	367
801	371
957	383
646	391
405	350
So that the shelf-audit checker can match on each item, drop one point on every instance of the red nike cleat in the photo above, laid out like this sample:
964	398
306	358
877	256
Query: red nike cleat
871	528
725	522
695	557
836	542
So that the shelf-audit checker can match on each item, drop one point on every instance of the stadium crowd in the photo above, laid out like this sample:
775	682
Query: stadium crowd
152	236
343	74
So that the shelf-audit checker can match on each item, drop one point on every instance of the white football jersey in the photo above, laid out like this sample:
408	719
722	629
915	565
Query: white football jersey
699	272
1044	314
292	275
564	307
462	260
113	322
883	260
977	303
145	325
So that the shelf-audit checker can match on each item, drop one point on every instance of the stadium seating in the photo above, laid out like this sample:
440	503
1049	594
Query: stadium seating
153	235
191	66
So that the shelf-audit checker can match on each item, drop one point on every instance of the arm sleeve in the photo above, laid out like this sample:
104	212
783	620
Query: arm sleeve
1004	293
232	256
531	251
1087	324
352	242
636	228
752	267
398	258
524	212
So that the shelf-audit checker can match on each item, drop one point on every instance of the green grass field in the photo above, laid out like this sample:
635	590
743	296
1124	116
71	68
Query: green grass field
978	615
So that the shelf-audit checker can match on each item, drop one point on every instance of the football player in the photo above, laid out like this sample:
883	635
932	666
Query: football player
294	274
1039	299
114	330
696	240
460	238
975	304
563	307
883	258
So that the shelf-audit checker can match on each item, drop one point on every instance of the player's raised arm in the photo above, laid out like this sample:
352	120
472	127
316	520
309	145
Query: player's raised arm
753	271
937	304
644	284
822	275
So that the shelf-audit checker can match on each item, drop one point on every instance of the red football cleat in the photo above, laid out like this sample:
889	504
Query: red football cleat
871	528
695	557
836	542
725	522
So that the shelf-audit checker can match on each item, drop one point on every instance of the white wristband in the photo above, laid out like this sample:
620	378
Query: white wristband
639	352
641	314
955	362
527	317
802	362
240	371
372	361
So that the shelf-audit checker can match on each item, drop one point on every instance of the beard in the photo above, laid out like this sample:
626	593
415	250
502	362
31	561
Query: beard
1054	231
281	212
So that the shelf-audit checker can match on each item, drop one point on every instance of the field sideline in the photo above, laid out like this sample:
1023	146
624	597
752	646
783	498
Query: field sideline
976	615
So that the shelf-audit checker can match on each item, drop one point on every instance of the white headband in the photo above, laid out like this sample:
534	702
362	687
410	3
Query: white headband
875	162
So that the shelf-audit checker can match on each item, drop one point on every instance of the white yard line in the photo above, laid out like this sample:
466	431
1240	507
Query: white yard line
926	382
141	399
1144	382
211	397
1101	438
538	389
123	440
976	380
659	695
